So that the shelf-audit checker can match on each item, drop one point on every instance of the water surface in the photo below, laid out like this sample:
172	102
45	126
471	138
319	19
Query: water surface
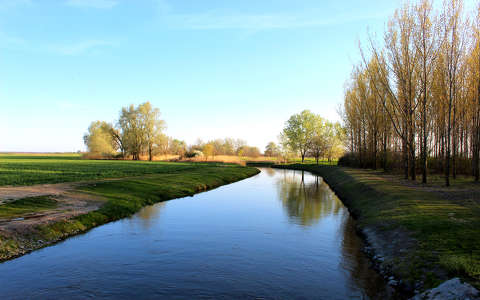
279	235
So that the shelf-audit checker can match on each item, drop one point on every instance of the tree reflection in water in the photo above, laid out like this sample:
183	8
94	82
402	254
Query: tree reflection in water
358	266
307	198
270	171
306	201
149	215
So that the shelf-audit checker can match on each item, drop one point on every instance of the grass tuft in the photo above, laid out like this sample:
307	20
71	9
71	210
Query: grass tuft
25	206
462	265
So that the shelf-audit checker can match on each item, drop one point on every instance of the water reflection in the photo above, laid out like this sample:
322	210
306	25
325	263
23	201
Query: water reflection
270	172
229	243
149	215
306	199
358	266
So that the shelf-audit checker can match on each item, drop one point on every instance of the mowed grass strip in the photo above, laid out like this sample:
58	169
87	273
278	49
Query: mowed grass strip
22	207
447	229
28	169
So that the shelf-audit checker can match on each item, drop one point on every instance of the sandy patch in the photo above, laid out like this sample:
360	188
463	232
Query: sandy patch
71	203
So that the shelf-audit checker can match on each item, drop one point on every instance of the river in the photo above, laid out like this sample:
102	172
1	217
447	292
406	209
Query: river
281	234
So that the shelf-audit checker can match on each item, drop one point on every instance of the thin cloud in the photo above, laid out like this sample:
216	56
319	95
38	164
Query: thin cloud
67	49
214	20
11	42
103	4
78	48
6	4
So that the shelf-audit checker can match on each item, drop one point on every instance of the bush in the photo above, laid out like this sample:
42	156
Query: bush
461	265
193	154
355	160
395	162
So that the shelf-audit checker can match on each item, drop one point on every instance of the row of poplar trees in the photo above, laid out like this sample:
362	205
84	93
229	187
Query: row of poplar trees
416	98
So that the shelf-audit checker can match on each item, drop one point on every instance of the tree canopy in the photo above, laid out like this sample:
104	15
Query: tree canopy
309	134
417	97
138	130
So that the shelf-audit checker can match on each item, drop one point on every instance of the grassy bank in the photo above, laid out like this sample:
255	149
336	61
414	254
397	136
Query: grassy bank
435	230
120	198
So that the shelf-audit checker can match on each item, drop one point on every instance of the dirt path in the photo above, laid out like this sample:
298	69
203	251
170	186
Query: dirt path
70	203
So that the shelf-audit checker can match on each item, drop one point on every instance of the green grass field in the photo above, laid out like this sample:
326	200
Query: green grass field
445	222
28	169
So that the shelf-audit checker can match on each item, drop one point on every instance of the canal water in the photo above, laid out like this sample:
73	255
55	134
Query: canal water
281	234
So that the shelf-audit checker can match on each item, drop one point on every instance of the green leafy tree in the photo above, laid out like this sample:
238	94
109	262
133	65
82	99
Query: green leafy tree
99	140
319	141
130	124
151	125
141	127
161	144
208	150
334	140
299	131
272	150
177	147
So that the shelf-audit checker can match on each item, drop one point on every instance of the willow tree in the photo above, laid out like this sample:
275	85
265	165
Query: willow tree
98	140
151	125
318	145
271	150
140	127
134	138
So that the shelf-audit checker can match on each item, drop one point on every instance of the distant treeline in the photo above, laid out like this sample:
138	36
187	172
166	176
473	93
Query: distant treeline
139	132
414	103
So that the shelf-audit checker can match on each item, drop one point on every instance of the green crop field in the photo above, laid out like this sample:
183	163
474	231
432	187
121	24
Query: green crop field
29	169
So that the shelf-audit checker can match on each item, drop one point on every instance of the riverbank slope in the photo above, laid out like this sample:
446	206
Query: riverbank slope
418	235
49	213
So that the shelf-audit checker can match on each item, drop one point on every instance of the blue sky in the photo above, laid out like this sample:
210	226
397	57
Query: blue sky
214	68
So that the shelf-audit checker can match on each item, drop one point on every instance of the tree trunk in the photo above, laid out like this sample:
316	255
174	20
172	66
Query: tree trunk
405	157
477	142
424	147
413	171
454	143
375	151
385	151
476	155
447	157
